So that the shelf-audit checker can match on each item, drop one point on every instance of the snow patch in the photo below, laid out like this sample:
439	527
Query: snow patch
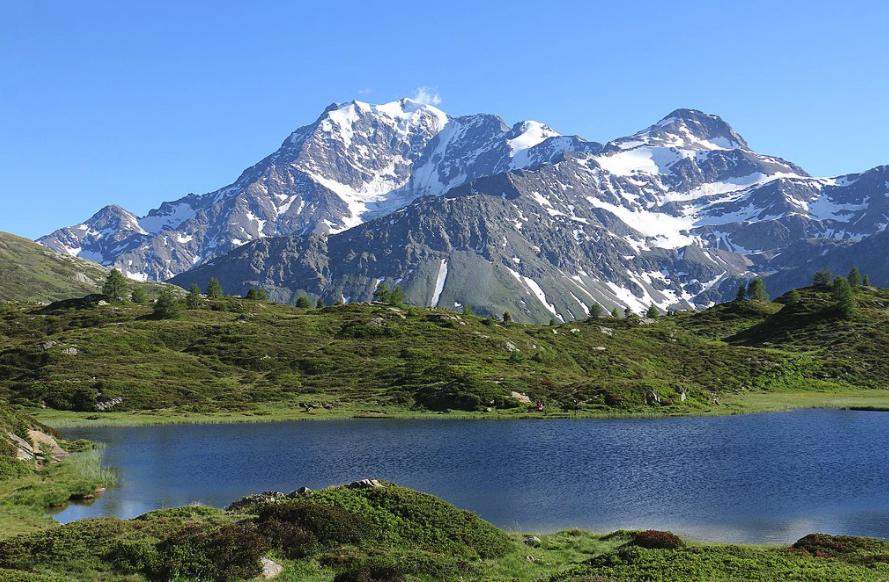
440	279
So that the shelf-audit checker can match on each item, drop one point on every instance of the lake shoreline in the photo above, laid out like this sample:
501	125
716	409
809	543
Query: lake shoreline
732	405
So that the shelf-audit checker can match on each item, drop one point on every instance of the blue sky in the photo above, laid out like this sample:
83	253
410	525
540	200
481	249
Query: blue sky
138	102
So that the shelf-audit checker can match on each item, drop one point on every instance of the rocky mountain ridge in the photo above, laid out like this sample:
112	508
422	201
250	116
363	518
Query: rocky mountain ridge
471	211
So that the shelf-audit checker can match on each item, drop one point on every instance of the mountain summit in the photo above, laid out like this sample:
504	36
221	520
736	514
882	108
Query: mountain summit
355	162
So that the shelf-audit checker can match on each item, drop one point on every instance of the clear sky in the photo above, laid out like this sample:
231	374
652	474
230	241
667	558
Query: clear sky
137	102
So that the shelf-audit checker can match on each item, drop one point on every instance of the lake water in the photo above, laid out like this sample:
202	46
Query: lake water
754	478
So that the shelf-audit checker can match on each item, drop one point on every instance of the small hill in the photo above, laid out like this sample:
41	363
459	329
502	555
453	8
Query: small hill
235	355
31	272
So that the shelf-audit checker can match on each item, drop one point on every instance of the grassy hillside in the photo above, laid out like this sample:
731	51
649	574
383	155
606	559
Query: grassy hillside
239	355
31	272
386	532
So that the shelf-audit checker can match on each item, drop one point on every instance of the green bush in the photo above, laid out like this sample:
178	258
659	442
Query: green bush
12	468
329	525
293	540
229	552
657	540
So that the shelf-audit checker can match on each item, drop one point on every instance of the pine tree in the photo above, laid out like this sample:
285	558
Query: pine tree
822	278
866	281
256	294
167	306
741	295
854	278
193	299
507	318
757	290
653	312
628	312
596	311
319	304
214	289
844	299
382	293
139	296
396	296
615	313
793	298
303	302
115	287
467	310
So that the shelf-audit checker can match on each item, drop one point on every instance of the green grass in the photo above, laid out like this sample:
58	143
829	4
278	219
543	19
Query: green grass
243	361
26	497
392	533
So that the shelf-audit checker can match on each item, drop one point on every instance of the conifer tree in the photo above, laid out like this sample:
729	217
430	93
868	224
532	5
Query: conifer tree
757	290
793	298
615	313
844	299
214	289
653	312
854	278
193	299
866	281
303	302
319	304
382	293
822	278
507	318
596	311
115	287
167	306
139	296
396	296
741	295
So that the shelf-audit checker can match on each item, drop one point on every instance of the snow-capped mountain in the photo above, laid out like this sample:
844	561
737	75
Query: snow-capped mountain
355	162
470	210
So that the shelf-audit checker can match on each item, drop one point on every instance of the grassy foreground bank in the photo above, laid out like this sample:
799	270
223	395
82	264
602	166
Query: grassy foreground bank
382	532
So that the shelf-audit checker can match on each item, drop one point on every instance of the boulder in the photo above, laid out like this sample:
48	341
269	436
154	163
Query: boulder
257	499
365	484
270	569
532	541
42	440
520	397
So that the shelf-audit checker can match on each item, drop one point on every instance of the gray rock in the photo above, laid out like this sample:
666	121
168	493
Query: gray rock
365	484
532	541
250	501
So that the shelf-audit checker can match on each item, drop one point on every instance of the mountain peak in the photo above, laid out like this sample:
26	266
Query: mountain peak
696	129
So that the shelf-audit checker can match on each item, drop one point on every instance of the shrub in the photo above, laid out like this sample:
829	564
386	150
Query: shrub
657	540
841	547
294	541
230	551
464	393
11	468
329	525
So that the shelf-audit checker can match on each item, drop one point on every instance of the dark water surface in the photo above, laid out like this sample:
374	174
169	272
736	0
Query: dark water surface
754	478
